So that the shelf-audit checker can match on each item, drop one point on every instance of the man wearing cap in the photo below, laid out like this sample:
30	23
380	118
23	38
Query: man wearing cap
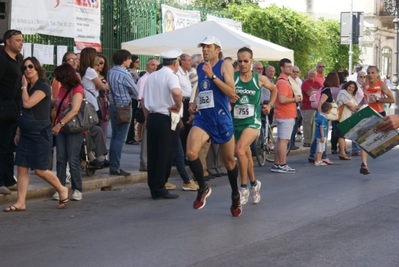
213	120
162	98
10	82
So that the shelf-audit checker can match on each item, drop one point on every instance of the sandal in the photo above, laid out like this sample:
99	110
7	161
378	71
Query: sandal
62	203
12	208
327	161
346	157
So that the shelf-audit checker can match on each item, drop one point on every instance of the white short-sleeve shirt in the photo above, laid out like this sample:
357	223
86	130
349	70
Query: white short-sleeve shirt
184	82
87	81
157	90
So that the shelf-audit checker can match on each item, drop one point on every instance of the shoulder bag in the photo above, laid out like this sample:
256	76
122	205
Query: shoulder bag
122	113
85	119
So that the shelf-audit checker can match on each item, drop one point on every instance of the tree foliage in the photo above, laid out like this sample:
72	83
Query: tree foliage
312	40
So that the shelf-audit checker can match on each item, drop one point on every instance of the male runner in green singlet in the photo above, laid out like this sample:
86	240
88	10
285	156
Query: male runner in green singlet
246	119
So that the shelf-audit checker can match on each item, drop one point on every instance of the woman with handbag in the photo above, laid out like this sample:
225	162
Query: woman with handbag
33	137
347	105
101	66
332	80
68	144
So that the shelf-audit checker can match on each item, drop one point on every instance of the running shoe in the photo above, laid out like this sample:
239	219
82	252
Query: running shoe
364	169
286	169
200	201
255	192
244	194
275	168
236	207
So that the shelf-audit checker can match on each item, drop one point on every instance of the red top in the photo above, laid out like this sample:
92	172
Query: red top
66	103
308	85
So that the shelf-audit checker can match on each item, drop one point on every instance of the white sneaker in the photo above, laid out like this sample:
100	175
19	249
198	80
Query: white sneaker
255	192
56	196
77	195
244	194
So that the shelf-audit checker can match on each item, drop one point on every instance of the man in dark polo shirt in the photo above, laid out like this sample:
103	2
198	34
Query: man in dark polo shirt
10	82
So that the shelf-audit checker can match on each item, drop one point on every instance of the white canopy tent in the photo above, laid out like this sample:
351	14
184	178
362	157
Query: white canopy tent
189	37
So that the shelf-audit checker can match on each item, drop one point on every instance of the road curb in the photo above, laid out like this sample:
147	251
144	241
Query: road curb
89	184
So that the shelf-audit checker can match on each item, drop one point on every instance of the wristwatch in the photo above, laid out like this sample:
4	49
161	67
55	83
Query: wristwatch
62	124
377	99
213	77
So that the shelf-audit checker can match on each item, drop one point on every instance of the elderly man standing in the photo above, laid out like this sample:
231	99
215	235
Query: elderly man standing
10	82
151	66
183	73
308	86
320	67
285	114
162	100
122	87
297	91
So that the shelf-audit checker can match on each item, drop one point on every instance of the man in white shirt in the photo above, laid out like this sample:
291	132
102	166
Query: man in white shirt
151	66
162	101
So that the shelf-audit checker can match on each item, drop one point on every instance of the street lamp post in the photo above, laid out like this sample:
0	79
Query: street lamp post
392	6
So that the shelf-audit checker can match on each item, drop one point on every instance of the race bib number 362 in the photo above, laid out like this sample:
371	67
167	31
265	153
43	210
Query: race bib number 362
205	99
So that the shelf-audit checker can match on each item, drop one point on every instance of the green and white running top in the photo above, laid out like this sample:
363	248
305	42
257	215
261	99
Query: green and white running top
246	110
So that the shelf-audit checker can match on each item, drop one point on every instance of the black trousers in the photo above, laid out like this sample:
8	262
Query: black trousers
161	149
7	147
187	127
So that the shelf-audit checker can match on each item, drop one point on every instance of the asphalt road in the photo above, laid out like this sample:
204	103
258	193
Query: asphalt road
321	216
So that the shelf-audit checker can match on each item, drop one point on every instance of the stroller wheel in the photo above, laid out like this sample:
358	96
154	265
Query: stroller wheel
90	172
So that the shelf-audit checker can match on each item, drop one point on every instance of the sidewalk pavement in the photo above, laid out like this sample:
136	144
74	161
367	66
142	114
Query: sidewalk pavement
130	162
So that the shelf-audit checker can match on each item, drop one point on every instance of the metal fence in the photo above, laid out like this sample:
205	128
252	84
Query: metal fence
121	21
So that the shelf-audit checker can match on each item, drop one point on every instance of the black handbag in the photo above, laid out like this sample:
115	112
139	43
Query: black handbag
84	120
140	118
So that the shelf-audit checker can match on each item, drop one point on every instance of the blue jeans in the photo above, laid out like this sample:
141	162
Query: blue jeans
178	161
118	139
313	147
355	147
68	150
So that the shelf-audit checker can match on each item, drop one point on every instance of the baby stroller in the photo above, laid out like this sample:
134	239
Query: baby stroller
85	165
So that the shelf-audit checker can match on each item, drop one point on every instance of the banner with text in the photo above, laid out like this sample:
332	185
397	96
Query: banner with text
78	19
173	18
228	22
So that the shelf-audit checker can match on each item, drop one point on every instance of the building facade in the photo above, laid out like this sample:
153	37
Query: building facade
377	44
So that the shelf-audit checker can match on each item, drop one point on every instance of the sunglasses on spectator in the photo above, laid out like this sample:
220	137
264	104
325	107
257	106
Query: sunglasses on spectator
137	61
12	33
241	61
362	76
29	66
100	63
72	59
321	66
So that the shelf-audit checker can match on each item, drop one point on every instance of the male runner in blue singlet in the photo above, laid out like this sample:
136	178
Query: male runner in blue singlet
213	120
